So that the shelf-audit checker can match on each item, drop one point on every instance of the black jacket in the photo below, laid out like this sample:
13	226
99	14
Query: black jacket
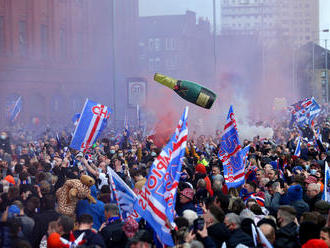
311	202
41	222
219	233
239	237
114	235
5	145
287	237
91	238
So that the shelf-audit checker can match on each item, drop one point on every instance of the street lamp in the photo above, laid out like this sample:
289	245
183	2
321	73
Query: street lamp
326	66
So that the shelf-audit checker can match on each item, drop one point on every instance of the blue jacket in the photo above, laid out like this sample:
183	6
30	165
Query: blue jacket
95	210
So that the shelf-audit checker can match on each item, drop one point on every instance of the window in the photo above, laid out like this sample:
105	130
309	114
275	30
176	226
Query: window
151	44
151	64
157	44
170	44
22	38
2	35
157	64
62	43
44	40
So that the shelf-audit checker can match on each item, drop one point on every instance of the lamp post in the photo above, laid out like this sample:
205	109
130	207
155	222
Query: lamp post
326	67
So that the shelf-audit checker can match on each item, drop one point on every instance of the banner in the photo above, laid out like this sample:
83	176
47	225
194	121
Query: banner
304	112
156	200
326	193
92	121
124	195
230	153
297	152
17	108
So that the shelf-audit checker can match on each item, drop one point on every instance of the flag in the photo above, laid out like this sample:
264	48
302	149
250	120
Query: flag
156	200
304	112
254	235
92	121
244	154
138	115
263	240
230	153
73	241
75	119
326	191
297	152
124	195
14	112
126	122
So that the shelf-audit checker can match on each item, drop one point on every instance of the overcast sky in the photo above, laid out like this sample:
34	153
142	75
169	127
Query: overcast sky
203	8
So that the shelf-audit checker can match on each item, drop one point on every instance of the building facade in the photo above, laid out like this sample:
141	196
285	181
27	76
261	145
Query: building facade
55	54
176	45
296	20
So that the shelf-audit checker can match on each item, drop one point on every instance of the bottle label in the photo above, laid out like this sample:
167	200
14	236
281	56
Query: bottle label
202	99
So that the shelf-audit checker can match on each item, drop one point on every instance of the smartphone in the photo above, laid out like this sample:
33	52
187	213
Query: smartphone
199	224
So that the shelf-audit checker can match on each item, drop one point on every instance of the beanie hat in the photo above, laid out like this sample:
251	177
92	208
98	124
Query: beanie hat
200	168
295	193
297	168
260	198
13	210
54	241
188	192
315	243
190	215
130	227
311	179
10	179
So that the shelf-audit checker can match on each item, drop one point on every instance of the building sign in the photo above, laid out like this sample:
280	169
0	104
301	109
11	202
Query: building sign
137	92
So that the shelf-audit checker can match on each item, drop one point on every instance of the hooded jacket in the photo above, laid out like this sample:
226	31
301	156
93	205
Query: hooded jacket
95	210
287	237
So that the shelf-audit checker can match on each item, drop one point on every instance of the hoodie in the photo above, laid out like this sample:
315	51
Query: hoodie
95	210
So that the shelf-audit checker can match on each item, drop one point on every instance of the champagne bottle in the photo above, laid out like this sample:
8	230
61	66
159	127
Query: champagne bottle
189	91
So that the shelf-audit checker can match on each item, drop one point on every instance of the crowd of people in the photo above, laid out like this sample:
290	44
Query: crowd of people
281	196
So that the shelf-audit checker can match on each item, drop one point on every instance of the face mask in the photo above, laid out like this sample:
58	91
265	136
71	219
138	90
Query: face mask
3	137
120	154
313	172
153	154
307	166
112	151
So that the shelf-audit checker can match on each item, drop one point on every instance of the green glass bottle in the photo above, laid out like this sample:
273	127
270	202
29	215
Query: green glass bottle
189	91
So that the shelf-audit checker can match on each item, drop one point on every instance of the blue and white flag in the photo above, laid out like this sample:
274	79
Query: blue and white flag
92	121
244	154
297	152
14	112
230	153
326	191
75	119
304	112
156	200
124	195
